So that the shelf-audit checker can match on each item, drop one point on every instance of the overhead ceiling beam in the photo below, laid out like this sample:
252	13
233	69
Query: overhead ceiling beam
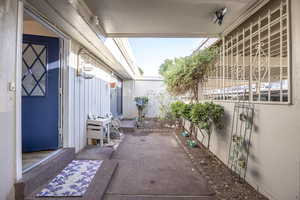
163	35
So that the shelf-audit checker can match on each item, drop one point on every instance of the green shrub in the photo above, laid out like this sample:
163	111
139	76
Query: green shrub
204	115
176	109
186	111
216	113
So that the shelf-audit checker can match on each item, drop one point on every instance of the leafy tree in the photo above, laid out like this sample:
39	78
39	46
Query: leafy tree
141	71
163	68
182	75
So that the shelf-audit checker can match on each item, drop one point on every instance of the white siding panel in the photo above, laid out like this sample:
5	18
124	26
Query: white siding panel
75	123
90	96
82	110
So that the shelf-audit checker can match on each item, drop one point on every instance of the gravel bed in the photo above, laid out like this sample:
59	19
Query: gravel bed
226	184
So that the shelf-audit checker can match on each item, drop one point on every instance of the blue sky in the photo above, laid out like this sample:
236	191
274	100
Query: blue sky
150	53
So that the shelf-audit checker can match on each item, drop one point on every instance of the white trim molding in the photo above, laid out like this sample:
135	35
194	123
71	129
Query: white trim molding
18	102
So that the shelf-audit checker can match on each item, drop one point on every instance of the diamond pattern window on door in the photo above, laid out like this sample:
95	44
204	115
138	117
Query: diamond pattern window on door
34	70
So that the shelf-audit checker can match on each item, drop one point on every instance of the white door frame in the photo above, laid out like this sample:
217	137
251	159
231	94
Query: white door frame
18	97
64	77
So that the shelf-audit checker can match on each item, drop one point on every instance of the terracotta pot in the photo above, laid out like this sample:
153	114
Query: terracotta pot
112	84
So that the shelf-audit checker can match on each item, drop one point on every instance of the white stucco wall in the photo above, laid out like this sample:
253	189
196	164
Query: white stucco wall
142	87
274	161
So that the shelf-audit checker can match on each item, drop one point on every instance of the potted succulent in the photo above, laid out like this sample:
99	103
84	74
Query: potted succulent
192	143
185	134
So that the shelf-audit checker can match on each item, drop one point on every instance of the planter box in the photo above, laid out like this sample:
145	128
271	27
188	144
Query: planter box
201	135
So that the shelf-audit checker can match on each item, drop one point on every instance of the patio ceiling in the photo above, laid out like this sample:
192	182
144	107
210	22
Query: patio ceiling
166	18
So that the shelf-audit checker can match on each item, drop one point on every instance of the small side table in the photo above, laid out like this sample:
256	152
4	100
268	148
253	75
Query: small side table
96	129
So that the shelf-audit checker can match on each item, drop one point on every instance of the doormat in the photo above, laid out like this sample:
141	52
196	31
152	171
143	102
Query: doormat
73	180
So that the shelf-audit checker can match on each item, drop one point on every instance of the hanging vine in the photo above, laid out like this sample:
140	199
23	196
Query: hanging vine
183	75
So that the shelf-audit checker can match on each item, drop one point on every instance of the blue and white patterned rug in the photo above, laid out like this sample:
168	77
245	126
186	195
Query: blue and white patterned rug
73	180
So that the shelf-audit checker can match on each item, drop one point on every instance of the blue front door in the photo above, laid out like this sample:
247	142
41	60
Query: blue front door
40	93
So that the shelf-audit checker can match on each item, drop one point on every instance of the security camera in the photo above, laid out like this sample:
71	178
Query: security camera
95	20
219	15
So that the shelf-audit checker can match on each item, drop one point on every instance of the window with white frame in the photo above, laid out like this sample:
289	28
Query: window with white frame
253	60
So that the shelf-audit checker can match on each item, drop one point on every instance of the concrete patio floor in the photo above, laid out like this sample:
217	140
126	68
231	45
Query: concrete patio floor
153	166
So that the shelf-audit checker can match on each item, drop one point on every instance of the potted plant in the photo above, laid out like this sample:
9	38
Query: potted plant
141	102
112	85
